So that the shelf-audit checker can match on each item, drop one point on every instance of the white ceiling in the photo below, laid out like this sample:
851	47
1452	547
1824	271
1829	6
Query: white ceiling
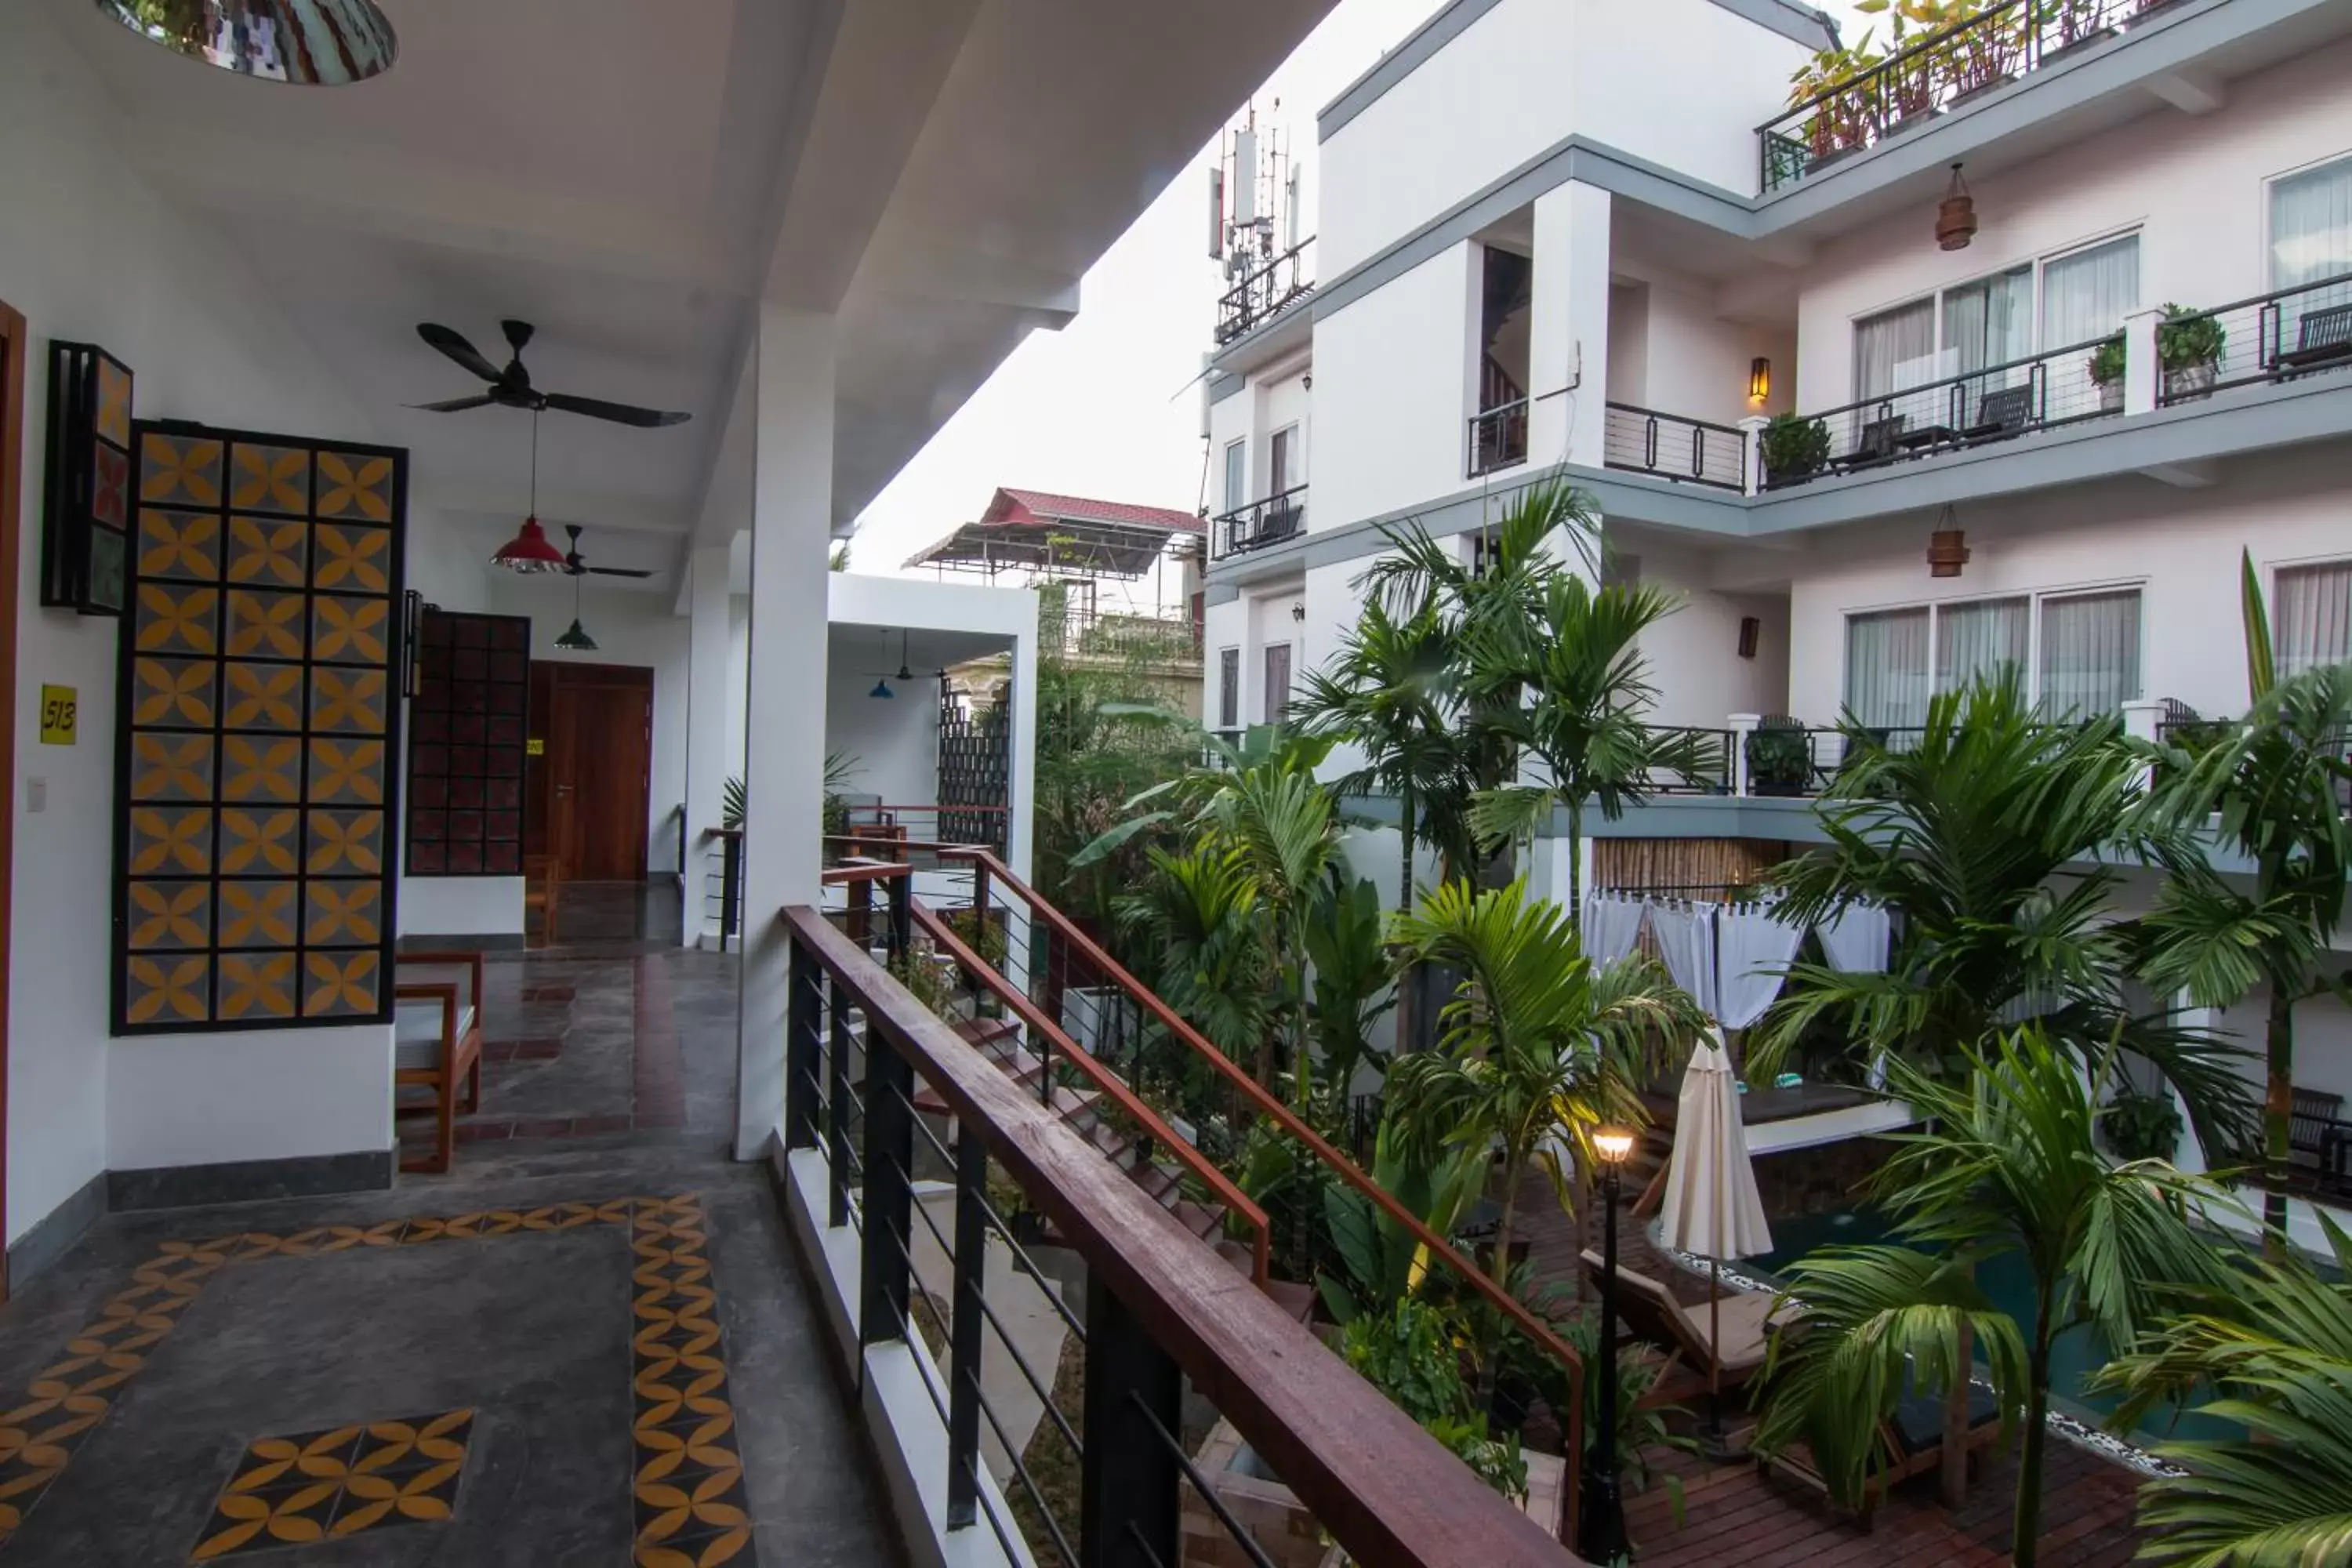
631	176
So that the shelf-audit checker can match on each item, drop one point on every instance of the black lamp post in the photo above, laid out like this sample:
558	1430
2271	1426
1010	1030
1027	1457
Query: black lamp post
1602	1539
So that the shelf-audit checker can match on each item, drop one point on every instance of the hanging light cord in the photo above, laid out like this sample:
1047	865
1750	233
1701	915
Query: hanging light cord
534	462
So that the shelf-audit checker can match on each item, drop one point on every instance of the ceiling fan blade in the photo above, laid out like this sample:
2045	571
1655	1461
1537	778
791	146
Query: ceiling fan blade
455	345
618	412
616	571
455	405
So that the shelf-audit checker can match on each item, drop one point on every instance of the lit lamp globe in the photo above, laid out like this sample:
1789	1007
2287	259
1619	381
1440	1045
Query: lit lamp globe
1613	1144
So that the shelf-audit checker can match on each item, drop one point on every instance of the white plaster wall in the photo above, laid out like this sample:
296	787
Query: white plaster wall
630	628
1233	419
1693	655
2193	188
1684	82
1691	361
2182	548
1222	626
739	679
1394	389
92	254
896	743
2323	1041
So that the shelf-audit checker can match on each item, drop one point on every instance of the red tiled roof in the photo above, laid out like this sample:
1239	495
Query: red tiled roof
1042	505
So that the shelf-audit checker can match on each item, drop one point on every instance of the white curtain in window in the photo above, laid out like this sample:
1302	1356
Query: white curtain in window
2090	653
2314	617
1887	668
1990	321
2087	294
1978	640
1889	339
2311	225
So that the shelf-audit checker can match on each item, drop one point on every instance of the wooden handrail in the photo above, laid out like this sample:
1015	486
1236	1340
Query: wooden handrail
1346	1170
1113	1088
1385	1490
863	871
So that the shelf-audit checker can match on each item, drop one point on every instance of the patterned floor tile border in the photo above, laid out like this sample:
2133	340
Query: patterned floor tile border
687	1488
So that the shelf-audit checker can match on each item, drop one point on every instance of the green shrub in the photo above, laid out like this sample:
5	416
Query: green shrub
1780	759
2186	338
2136	1125
1794	445
2108	361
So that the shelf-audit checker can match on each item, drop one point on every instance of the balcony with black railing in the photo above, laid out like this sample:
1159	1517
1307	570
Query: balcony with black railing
1646	441
1266	292
1955	413
2286	335
1868	102
1498	438
1261	524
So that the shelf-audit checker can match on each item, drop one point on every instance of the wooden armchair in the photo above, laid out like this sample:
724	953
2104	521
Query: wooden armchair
437	1041
542	889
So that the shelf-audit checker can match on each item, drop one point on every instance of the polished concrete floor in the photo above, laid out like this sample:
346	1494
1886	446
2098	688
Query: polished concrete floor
590	1343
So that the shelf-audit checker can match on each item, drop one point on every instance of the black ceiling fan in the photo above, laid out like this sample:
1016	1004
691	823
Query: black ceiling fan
579	568
511	387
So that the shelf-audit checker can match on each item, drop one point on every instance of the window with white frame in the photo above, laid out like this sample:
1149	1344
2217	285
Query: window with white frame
1236	475
2313	621
1229	689
2075	653
2311	225
1277	682
2075	297
1282	460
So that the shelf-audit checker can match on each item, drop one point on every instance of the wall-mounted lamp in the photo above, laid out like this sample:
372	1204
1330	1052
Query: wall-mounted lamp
1760	380
1299	610
1751	628
1307	381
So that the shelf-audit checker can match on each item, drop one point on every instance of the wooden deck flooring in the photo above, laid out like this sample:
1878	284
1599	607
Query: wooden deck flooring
1735	1514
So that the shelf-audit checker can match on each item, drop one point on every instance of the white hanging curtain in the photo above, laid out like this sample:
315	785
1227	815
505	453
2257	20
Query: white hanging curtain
2086	296
2090	653
1889	339
1612	923
1887	668
2314	617
1685	938
1754	948
2311	241
1979	640
1855	940
1989	323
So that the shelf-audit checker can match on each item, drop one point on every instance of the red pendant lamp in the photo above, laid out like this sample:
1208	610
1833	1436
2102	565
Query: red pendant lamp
529	549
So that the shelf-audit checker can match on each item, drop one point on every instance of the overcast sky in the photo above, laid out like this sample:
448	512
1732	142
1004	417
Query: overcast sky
1105	407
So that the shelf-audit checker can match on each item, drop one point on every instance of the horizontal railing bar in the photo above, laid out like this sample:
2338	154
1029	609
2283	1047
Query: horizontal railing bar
1029	1483
1044	1395
1960	378
1109	1084
937	1397
1385	1489
1233	1527
863	871
1260	504
1020	1255
1267	270
1678	420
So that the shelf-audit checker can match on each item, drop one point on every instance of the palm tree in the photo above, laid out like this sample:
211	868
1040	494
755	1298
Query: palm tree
1580	661
1987	836
1283	826
2277	1346
2275	785
2008	1166
1537	1041
1199	917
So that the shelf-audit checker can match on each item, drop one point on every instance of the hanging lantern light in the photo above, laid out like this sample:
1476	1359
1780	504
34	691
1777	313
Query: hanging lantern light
1760	380
311	43
1956	215
529	551
1947	547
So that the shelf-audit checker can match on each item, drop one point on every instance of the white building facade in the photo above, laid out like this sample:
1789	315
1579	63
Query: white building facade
1593	239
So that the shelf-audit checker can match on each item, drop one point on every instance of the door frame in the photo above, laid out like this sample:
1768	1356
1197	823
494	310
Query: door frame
15	346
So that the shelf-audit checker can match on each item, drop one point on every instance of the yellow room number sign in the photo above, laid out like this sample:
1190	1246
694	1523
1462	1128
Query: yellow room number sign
60	705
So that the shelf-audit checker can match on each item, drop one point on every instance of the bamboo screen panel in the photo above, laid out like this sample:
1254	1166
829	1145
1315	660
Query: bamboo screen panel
258	721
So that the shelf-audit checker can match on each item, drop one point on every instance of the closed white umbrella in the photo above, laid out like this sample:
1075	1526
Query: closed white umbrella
1712	1207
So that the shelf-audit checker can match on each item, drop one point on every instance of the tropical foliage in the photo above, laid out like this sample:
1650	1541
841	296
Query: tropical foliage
2008	1166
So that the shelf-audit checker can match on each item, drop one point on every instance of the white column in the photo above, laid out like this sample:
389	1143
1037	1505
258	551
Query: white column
784	761
1568	355
1751	444
1742	725
708	723
2143	371
1020	768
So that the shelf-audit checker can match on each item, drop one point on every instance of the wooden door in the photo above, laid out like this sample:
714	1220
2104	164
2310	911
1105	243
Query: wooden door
15	348
592	786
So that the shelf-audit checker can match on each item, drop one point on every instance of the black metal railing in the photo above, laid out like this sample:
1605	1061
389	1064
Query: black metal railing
1970	409
1643	441
1707	756
1261	523
2001	44
1078	632
1498	437
902	1115
2283	335
1266	292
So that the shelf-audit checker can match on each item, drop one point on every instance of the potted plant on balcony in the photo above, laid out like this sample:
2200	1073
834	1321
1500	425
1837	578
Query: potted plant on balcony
2070	24
1795	448
1780	758
2188	344
2107	368
1841	122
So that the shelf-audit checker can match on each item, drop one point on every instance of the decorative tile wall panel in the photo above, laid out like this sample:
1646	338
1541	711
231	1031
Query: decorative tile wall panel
465	757
257	717
86	515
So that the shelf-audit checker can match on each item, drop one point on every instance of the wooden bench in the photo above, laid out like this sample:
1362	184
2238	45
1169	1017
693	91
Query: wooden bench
2323	338
437	1026
1879	441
